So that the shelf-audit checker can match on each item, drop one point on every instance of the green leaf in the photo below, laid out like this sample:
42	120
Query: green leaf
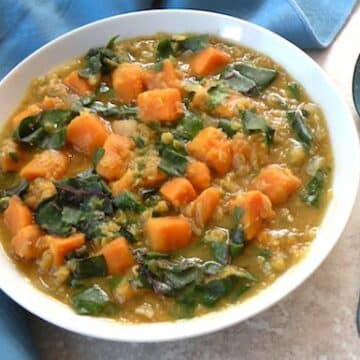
216	96
91	267
236	81
226	127
164	49
189	126
97	155
252	123
263	77
173	163
215	290
195	43
127	201
110	44
295	90
92	301
314	189
10	184
220	252
298	123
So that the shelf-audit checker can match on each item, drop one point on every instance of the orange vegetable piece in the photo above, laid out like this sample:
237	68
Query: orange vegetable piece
61	246
51	102
168	77
78	84
277	182
209	61
25	240
128	81
87	132
257	211
11	156
163	105
125	183
118	256
17	215
199	175
178	191
203	208
49	164
31	110
168	233
116	158
151	180
213	147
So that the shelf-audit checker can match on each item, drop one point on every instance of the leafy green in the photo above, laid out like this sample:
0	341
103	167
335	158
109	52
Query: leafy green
314	189
220	252
96	156
195	42
47	130
226	127
295	90
189	126
10	184
263	77
237	234
216	96
165	49
298	123
94	266
93	301
172	162
236	81
127	201
252	123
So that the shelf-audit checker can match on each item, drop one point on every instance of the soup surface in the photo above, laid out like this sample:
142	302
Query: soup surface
163	177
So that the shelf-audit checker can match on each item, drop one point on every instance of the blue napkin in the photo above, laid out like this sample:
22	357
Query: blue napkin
26	25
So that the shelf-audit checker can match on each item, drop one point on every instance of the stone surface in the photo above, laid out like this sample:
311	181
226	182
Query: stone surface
317	321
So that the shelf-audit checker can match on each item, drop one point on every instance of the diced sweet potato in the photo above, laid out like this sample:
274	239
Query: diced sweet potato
78	84
212	146
168	77
118	256
49	164
160	105
11	156
128	81
203	208
125	183
178	191
199	175
209	61
51	102
87	132
31	110
24	242
154	179
169	233
61	246
17	215
277	182
116	158
257	211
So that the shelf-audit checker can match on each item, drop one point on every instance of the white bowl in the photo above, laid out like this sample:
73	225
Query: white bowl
344	141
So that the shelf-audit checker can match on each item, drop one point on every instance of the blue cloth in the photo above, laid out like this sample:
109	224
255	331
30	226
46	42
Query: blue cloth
25	25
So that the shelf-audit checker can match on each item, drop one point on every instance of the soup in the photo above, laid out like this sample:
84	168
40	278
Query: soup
162	177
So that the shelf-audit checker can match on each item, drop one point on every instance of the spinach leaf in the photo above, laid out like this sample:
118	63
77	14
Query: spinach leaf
92	301
189	126
128	202
195	43
263	77
128	235
94	266
97	155
46	130
10	184
220	252
216	96
165	49
226	127
172	162
314	189
252	123
298	123
295	90
236	81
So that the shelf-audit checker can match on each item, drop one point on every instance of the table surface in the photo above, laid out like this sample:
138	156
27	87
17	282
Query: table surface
317	321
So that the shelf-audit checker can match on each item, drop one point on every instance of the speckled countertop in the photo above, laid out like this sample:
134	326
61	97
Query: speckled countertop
317	321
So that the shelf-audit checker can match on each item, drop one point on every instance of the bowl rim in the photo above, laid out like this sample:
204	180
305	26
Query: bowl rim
157	332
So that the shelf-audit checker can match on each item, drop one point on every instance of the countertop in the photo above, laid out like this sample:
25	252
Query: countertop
317	321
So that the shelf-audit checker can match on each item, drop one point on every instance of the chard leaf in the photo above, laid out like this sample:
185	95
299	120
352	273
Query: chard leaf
127	201
195	43
91	267
295	90
225	126
220	252
189	126
165	49
298	123
252	123
172	162
263	77
314	189
10	184
216	96
236	81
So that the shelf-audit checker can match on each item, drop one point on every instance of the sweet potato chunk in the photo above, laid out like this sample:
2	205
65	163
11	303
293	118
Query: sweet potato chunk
17	215
257	211
87	132
160	105
118	256
78	84
60	246
169	233
277	182
24	242
31	110
128	81
125	183
116	158
203	208
168	77
199	175
178	191
49	164
212	146
209	61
